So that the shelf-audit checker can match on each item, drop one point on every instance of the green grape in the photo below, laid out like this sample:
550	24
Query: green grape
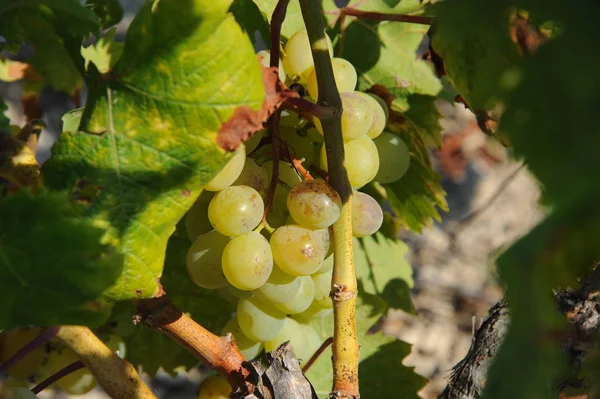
249	348
299	147
326	266
302	300
196	220
247	261
236	210
297	59
279	288
357	116
343	73
8	392
287	173
313	204
367	215
379	115
76	383
259	320
253	176
322	283
394	157
362	160
230	172
237	293
382	103
326	242
203	261
214	387
115	344
304	339
296	250
254	141
314	312
265	60
13	341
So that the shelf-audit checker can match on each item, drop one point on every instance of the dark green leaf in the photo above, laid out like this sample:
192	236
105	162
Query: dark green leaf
104	54
4	121
109	12
54	268
248	15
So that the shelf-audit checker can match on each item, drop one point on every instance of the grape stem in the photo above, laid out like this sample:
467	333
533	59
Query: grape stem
71	368
344	287
380	16
118	378
27	349
317	354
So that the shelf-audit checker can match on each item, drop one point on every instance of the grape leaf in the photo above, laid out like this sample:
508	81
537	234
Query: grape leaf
381	357
147	136
110	12
473	40
248	15
53	267
104	53
152	349
293	18
383	270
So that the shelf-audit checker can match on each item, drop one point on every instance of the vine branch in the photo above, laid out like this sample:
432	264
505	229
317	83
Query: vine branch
344	287
379	16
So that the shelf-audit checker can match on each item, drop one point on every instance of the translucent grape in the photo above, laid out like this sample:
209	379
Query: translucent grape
230	172
299	147
265	59
367	215
115	344
287	173
236	210
302	300
214	387
382	103
13	341
254	141
343	73
253	176
279	288
247	261
258	320
249	348
296	250
298	60
356	117
313	204
76	383
237	293
394	157
379	115
326	238
304	339
322	282
314	312
362	160
203	261
196	220
327	265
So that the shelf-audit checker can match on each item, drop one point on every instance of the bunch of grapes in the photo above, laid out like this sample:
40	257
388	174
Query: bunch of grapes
278	271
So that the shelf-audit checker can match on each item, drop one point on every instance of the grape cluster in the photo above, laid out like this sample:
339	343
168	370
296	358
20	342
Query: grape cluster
279	273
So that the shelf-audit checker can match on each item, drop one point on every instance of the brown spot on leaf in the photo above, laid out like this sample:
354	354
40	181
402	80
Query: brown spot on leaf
85	192
245	121
186	193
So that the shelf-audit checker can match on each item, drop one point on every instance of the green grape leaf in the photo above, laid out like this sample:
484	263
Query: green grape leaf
110	12
381	357
473	40
152	349
104	53
146	140
293	17
248	15
54	267
383	270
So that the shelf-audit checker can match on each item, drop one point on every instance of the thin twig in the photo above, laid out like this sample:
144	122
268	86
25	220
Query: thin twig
275	143
71	368
317	353
302	105
301	169
30	347
379	16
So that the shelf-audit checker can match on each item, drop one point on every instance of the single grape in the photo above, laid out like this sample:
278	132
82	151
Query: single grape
313	204
356	117
379	115
343	73
247	261
236	210
265	59
362	160
8	392
299	147
296	250
237	293
76	383
314	312
327	265
279	288
203	261
302	300
298	60
253	176
249	348
383	105
230	172
13	341
258	320
322	282
394	157
287	173
214	387
196	220
304	339
367	215
115	344
254	141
